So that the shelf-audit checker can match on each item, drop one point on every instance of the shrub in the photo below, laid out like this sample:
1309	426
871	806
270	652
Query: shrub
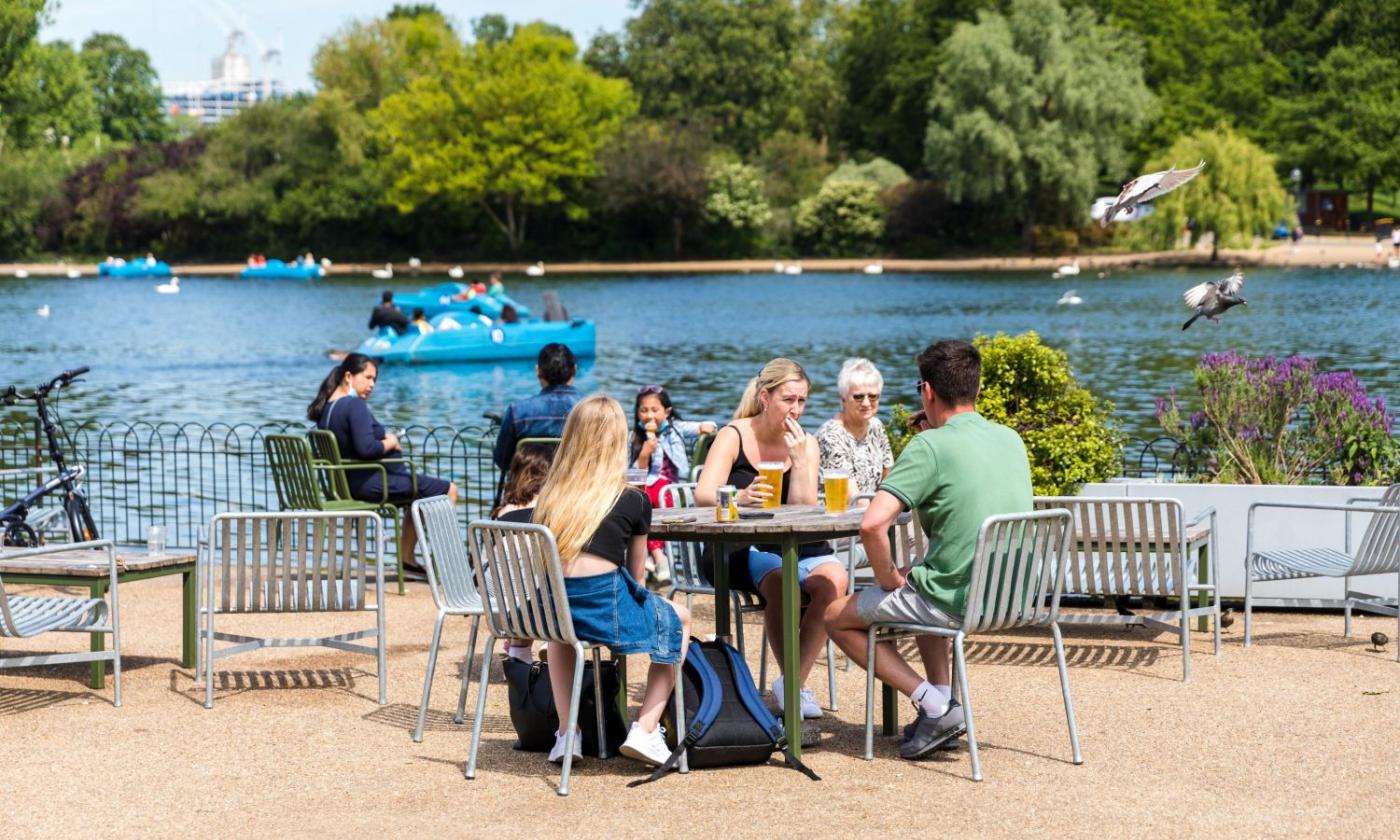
735	198
878	171
1270	421
1070	435
844	219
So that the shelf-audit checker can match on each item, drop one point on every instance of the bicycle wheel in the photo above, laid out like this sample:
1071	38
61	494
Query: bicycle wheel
19	535
81	525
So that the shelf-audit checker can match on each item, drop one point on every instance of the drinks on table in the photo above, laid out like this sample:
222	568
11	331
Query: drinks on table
837	486
727	504
771	473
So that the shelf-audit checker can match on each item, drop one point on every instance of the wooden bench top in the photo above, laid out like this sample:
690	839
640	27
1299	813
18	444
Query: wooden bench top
91	563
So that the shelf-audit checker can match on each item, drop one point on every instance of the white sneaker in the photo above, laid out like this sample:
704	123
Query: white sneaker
646	747
556	755
809	706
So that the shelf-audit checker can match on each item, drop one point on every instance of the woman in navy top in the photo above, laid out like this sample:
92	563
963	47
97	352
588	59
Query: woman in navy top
340	408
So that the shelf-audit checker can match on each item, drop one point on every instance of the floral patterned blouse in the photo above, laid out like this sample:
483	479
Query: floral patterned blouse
865	459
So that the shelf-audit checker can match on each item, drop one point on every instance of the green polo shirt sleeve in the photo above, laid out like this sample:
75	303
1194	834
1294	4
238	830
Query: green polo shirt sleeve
912	479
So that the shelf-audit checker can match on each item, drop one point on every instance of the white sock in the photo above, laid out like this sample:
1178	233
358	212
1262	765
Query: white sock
522	652
945	690
929	699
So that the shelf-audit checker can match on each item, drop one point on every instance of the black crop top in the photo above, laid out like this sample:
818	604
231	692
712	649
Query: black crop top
629	517
742	473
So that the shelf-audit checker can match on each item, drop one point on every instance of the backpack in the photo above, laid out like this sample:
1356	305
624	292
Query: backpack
535	719
727	721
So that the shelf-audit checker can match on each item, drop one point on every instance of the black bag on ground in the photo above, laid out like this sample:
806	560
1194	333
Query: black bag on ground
535	720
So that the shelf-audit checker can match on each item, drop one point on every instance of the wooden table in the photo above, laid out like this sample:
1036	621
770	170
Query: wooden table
790	525
89	568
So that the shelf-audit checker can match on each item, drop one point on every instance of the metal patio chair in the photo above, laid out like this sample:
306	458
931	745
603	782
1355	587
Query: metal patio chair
518	567
23	616
1018	572
1137	547
290	562
1379	553
450	580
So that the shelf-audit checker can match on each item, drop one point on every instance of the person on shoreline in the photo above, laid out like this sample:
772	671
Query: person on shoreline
600	526
386	314
854	440
528	471
543	414
660	443
959	472
766	429
339	408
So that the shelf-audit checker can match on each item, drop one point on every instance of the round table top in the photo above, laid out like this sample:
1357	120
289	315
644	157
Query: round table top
805	521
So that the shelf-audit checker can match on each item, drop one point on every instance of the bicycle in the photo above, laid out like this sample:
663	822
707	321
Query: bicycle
15	530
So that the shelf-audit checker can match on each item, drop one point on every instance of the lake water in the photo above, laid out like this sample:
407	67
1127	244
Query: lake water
229	350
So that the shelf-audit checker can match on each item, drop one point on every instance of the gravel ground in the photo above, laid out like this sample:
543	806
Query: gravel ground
1285	738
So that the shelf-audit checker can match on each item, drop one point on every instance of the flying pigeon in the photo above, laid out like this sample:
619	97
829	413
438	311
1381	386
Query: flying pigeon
1213	297
1145	188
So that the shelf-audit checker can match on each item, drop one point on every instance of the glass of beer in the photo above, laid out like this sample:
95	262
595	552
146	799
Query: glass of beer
837	485
771	473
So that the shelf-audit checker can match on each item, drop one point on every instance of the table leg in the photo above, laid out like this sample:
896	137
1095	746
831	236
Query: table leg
792	613
721	582
889	711
190	630
97	590
1202	575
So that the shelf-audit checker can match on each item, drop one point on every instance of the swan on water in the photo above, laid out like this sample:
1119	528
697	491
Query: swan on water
74	274
20	274
1069	298
171	288
536	270
456	272
43	311
385	273
792	268
1070	270
874	268
778	268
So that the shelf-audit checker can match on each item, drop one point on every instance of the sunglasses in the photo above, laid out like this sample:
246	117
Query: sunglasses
861	398
649	389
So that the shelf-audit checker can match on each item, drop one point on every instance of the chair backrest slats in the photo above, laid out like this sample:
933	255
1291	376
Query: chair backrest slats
684	554
1018	570
449	565
1379	550
293	561
289	459
1125	546
518	566
325	448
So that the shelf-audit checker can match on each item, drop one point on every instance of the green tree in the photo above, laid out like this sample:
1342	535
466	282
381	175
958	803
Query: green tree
511	126
1205	61
1237	197
49	97
128	98
729	63
794	166
369	61
888	60
19	26
656	173
1344	130
735	198
880	172
844	219
28	178
1070	435
1029	108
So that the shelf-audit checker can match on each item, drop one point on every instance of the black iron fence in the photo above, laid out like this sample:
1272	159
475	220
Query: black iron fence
180	474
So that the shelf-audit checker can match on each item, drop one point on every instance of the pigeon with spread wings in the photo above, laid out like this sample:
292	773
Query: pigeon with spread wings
1145	188
1213	297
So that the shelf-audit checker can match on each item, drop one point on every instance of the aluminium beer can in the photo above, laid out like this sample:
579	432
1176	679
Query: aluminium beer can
727	504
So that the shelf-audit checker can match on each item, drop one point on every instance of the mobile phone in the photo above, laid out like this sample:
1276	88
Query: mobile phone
676	520
755	514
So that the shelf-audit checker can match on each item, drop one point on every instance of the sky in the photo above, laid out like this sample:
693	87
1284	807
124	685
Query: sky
183	37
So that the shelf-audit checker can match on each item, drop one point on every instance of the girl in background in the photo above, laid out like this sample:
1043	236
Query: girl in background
660	442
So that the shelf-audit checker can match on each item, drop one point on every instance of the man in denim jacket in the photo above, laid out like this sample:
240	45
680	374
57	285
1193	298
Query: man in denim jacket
543	414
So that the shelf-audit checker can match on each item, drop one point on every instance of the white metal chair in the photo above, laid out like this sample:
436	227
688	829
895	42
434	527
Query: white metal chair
517	565
23	616
687	580
1018	572
1379	553
289	562
1137	547
450	579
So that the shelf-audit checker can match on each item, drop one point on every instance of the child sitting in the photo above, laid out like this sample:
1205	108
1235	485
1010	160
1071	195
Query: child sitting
660	443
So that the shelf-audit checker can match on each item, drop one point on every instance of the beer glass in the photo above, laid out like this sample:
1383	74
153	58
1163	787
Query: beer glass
771	472
837	484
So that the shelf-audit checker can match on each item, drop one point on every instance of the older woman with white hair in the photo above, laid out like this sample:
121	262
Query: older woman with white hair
855	439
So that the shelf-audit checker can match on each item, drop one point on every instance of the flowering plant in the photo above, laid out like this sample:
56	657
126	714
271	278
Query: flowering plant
1269	421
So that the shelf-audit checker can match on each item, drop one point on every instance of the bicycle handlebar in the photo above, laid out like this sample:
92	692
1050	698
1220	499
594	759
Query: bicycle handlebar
12	393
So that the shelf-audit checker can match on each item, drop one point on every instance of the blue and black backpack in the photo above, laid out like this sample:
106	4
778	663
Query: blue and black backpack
727	721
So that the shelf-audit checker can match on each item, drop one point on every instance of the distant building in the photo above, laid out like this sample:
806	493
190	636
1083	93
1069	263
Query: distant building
231	89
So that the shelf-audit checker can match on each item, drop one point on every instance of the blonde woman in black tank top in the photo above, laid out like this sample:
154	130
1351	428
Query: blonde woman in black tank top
766	428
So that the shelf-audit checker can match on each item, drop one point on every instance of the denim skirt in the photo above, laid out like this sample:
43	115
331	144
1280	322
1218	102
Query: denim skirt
612	609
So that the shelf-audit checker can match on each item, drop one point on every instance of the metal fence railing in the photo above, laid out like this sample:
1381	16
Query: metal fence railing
180	474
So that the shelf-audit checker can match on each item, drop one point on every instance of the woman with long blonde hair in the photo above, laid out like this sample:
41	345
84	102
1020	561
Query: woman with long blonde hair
600	525
766	428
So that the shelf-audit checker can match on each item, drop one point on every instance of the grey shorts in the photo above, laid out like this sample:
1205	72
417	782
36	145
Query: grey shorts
905	605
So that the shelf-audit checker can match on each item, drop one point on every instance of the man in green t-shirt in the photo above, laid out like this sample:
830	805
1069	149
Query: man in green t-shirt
958	472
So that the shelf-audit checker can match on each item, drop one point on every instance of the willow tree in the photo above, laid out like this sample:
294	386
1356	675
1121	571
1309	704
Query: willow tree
1030	106
1237	197
511	126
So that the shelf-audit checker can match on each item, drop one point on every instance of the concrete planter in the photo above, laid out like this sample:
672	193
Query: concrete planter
1272	529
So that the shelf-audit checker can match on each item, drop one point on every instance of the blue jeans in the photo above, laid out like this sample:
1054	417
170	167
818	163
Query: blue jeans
764	563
